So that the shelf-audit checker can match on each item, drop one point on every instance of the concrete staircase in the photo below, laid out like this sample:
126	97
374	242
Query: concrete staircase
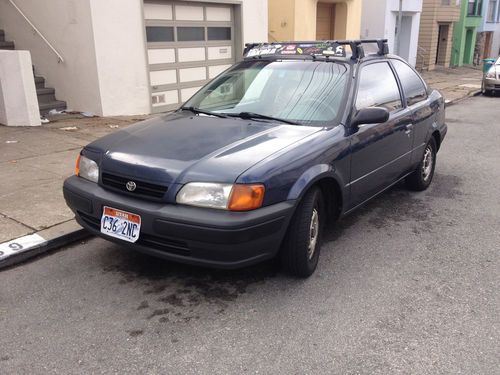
46	95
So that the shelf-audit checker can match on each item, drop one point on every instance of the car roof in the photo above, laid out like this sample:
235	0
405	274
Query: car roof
320	50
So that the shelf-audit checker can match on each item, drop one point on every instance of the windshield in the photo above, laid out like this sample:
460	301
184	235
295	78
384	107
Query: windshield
307	92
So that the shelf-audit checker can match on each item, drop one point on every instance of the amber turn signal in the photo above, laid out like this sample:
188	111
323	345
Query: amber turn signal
246	197
77	166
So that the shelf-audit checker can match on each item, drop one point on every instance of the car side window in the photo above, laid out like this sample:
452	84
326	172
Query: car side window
413	86
378	88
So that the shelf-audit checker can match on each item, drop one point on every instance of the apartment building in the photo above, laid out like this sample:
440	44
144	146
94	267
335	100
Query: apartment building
465	33
436	33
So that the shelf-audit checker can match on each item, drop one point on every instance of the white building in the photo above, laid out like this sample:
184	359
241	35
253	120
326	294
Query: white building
379	20
122	57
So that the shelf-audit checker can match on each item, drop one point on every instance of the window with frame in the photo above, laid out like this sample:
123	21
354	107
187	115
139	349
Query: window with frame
378	88
413	87
490	17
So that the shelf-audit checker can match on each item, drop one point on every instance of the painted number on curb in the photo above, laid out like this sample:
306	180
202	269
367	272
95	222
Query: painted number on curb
20	245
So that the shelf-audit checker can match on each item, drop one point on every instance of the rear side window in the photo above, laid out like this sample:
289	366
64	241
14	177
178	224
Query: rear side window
413	86
378	88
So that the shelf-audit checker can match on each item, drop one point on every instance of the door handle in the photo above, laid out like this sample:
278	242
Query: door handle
409	128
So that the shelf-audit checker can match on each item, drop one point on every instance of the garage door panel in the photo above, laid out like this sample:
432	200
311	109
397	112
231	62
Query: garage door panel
218	14
215	70
193	74
158	11
163	77
219	53
165	98
188	13
191	54
161	55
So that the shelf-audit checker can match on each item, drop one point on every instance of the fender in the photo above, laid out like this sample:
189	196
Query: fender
312	175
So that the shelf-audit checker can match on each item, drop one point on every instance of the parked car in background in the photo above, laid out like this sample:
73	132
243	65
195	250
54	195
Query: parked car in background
491	80
257	162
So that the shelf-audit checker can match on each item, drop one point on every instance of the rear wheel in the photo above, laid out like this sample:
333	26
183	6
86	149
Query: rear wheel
301	246
421	178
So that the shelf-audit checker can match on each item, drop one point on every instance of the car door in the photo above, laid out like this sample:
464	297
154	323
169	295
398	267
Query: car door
417	101
380	153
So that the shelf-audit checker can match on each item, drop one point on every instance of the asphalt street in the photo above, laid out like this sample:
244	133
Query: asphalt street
408	284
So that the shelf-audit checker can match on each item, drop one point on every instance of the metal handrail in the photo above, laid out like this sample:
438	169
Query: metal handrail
59	57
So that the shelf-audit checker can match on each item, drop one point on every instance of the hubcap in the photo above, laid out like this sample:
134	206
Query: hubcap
427	164
313	234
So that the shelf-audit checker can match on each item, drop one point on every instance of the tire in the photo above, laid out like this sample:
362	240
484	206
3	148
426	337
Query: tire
306	228
488	92
421	178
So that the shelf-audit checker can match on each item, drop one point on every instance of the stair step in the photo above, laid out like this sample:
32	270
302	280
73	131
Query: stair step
56	104
46	95
7	45
39	82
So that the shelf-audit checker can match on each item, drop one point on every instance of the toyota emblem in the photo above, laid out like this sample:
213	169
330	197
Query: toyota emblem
131	186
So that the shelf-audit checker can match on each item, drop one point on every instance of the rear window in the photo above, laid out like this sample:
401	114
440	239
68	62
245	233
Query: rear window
413	86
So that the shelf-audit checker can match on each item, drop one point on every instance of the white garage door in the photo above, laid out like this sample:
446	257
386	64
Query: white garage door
188	43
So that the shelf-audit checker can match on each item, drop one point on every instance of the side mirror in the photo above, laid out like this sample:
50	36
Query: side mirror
370	115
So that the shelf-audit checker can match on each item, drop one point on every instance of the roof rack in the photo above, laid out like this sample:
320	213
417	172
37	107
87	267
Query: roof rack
357	51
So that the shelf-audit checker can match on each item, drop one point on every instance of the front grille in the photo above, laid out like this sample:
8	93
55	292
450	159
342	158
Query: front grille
497	86
142	188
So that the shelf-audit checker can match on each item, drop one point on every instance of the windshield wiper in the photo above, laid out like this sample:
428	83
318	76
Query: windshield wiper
252	115
198	111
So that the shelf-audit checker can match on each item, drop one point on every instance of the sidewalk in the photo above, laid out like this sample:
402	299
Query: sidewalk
34	161
455	83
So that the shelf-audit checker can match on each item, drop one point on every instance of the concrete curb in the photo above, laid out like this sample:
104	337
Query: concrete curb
469	95
27	247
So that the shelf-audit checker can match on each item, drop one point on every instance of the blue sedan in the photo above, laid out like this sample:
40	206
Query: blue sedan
256	163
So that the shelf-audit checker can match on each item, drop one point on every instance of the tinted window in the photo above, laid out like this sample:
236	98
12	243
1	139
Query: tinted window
188	34
378	88
159	34
413	87
219	33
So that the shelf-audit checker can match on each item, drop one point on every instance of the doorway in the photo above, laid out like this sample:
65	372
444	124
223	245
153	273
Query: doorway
442	46
325	21
467	58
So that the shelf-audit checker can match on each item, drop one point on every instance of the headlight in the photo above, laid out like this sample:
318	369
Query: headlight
491	73
237	197
87	168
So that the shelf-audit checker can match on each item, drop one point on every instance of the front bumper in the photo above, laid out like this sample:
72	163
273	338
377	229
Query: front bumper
192	235
491	84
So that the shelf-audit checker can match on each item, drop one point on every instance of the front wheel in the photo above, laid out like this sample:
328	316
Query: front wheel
301	246
421	178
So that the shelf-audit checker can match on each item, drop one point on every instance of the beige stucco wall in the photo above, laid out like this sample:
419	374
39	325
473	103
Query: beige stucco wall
296	19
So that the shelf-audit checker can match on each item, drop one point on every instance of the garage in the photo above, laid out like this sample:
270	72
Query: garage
188	43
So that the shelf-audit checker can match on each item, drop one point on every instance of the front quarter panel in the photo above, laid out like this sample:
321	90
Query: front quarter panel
288	174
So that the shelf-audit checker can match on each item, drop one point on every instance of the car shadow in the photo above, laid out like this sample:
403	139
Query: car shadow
175	292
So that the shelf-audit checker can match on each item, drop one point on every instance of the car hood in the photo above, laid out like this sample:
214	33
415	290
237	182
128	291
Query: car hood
180	148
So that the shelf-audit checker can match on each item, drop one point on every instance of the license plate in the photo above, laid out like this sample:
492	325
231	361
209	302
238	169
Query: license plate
120	224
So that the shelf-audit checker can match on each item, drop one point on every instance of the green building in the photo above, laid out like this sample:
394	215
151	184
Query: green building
465	32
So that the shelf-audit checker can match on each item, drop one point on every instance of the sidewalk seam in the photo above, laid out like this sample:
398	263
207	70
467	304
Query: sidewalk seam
18	222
